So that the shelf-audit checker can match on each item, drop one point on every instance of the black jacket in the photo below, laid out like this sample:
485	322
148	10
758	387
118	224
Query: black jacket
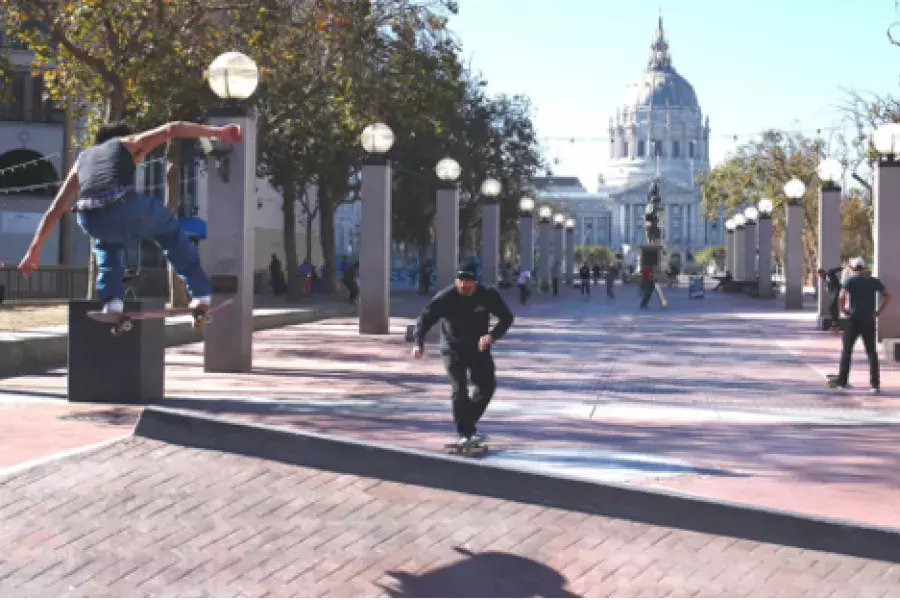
464	319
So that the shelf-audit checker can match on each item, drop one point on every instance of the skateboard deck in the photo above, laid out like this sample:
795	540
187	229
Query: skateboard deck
124	322
455	448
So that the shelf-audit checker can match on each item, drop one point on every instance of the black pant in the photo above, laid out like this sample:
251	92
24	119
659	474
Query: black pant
647	289
556	286
353	288
467	412
853	329
833	308
523	293
610	282
585	286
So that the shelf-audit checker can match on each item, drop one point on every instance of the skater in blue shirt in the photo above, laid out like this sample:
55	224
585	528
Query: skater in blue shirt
109	209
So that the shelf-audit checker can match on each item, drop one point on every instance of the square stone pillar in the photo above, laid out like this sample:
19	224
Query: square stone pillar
559	251
228	251
740	249
729	251
829	242
375	248
570	256
526	243
887	247
750	251
544	258
446	233
764	231
793	257
490	242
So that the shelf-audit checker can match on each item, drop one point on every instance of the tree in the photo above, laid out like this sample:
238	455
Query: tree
594	255
759	169
711	255
856	225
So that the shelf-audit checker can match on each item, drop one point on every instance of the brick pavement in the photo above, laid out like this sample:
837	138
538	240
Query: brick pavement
763	428
141	518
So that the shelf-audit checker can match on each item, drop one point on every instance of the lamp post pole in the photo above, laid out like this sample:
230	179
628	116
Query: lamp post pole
490	232
570	251
887	242
830	172
446	223
793	246
764	236
729	246
544	258
740	247
751	214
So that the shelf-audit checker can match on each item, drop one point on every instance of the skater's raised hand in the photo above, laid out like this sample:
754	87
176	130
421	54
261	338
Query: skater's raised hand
231	134
29	263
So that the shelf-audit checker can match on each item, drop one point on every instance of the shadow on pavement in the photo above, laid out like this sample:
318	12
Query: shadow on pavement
485	575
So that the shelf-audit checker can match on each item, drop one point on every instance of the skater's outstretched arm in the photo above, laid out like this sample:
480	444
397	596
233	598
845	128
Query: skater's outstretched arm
431	314
141	144
60	205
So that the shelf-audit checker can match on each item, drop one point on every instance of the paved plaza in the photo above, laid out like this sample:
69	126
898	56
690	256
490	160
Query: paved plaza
721	397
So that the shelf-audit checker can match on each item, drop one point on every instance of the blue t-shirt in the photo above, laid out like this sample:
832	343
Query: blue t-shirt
863	291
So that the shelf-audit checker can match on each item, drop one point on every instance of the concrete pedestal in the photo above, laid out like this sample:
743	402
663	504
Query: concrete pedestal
651	256
490	243
558	252
729	251
526	241
793	258
102	369
375	249
229	248
750	252
446	228
829	241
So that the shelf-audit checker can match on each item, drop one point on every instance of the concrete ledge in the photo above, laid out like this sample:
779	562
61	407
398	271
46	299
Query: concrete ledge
37	351
891	349
466	475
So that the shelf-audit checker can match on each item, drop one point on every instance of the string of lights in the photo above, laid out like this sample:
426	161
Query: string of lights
733	136
50	184
40	186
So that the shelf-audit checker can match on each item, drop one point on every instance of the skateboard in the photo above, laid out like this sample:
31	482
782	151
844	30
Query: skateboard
122	323
466	449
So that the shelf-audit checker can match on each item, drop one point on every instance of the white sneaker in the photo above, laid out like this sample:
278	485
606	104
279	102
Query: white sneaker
477	439
462	442
114	306
204	301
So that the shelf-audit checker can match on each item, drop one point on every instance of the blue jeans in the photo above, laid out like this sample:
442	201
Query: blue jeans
146	218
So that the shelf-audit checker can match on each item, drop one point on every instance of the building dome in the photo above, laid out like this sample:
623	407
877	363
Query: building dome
660	85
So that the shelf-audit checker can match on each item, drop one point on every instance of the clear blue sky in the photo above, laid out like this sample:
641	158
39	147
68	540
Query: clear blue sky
755	64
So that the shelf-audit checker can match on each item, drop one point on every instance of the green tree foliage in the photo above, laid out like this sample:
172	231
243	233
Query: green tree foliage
711	255
594	255
856	225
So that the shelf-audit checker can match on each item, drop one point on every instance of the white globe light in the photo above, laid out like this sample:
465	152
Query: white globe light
794	189
739	220
765	207
447	169
729	224
830	171
887	139
376	138
233	75
545	213
559	218
570	223
526	204
751	213
491	188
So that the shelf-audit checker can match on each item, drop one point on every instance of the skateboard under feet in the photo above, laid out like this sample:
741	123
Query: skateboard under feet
123	323
466	449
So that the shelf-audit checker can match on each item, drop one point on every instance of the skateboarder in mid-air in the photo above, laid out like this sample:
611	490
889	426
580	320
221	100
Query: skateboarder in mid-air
109	209
465	310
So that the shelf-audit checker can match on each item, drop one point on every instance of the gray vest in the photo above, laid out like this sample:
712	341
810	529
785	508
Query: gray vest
105	174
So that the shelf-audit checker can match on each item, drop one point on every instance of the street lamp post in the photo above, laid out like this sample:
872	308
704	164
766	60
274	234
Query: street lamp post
228	252
751	214
740	247
490	232
526	234
887	243
375	231
793	245
545	214
447	222
764	243
830	173
570	251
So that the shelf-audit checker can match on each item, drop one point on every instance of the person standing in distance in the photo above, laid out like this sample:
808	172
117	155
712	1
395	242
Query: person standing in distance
860	289
465	310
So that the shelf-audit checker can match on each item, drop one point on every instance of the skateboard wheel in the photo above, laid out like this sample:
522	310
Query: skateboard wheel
127	326
207	318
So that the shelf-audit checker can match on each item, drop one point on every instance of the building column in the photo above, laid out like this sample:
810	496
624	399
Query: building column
570	255
375	247
544	258
764	237
490	242
446	227
526	243
887	246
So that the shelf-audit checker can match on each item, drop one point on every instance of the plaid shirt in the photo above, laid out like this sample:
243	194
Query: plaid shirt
103	198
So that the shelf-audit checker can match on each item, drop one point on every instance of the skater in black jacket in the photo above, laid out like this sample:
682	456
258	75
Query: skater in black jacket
465	310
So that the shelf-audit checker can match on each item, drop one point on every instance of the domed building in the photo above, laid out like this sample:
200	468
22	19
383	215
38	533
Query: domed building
659	131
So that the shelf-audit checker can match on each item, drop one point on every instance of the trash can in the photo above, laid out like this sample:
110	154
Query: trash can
696	287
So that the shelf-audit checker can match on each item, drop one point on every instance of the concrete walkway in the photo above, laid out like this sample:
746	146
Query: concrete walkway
721	397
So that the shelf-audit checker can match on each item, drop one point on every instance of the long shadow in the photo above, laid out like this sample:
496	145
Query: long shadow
483	575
